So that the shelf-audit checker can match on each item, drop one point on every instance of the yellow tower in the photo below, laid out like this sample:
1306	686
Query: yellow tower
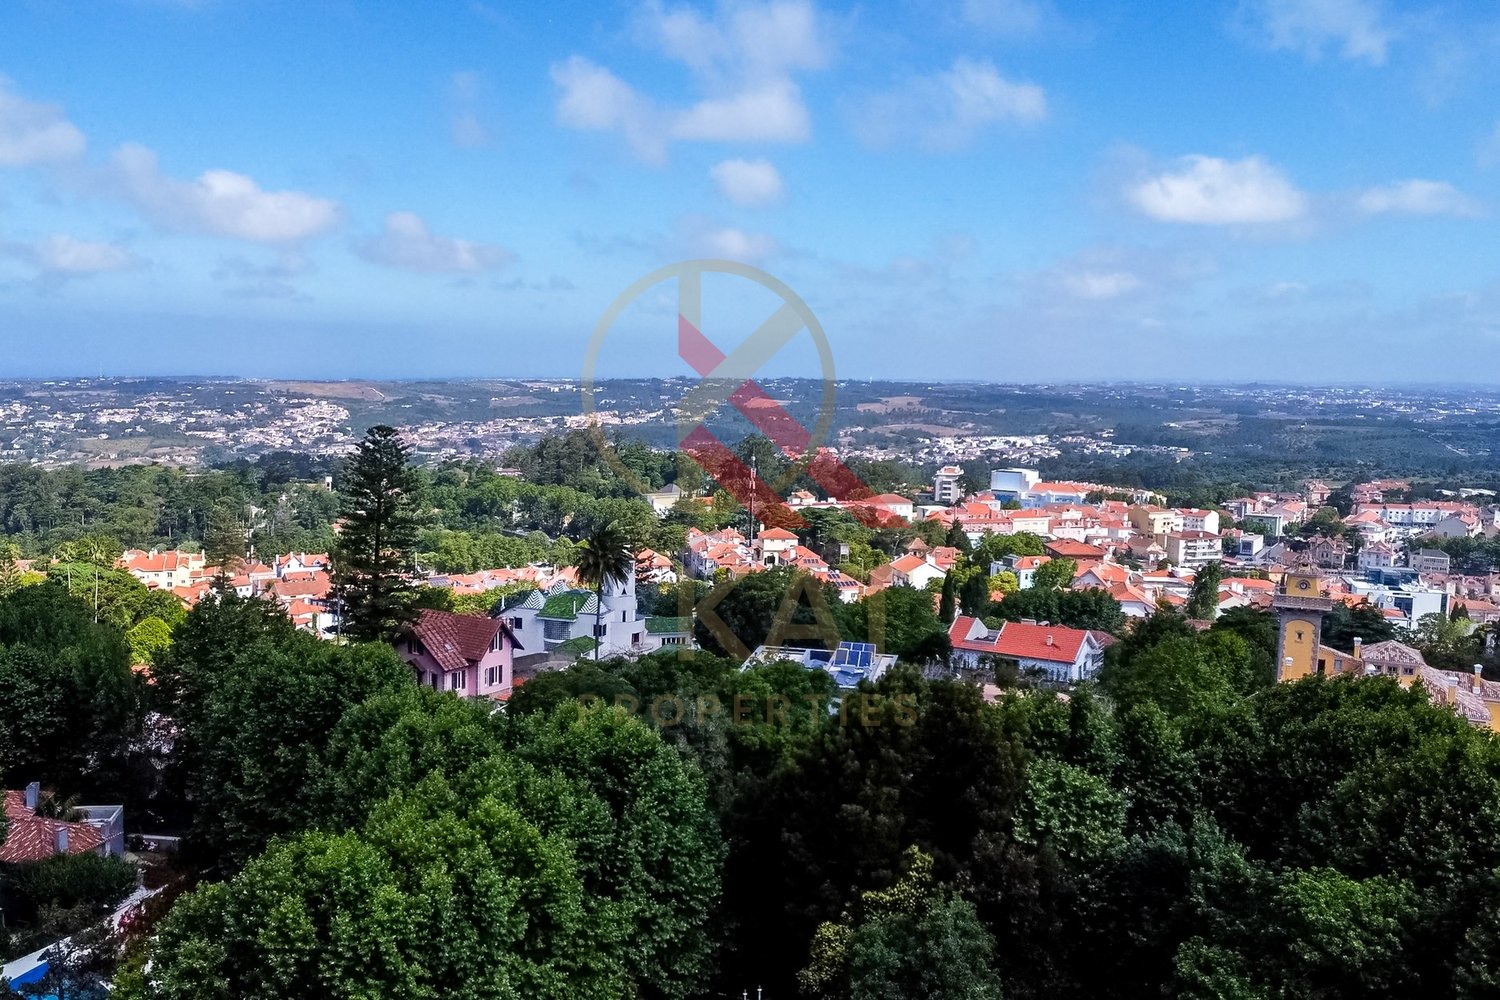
1300	605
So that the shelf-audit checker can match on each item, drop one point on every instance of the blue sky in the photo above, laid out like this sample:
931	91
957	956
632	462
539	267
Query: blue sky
1296	190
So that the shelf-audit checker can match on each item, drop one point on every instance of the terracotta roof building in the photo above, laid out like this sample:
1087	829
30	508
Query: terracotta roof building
1062	654
36	838
466	654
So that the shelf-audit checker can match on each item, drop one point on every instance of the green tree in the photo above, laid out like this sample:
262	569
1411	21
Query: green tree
70	708
946	601
1055	574
224	543
148	639
650	853
256	702
749	607
10	569
915	939
974	596
1344	624
902	620
1090	608
1203	599
267	724
377	538
1070	811
606	560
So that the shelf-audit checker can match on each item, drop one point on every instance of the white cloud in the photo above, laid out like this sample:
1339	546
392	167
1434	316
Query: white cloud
221	202
32	133
467	126
751	183
743	41
947	110
981	95
1205	190
1099	285
700	236
736	244
407	243
1004	17
772	112
1356	28
1489	148
741	58
1419	197
64	254
592	98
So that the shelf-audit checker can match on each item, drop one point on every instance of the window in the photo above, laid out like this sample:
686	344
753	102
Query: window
515	623
413	647
491	676
600	630
458	680
635	640
495	643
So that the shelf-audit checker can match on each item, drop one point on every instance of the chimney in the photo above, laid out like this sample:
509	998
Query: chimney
62	840
33	792
1049	639
1478	677
1359	645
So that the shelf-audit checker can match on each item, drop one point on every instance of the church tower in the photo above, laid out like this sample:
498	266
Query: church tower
1300	606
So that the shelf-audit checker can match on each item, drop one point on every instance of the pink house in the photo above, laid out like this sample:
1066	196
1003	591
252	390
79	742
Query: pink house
465	654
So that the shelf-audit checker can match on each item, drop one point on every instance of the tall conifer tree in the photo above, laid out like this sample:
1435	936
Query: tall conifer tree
377	536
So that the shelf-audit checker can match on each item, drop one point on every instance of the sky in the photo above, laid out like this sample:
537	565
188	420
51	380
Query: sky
1006	190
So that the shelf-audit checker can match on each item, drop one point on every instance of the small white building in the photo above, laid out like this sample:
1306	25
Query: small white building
1380	555
1009	484
946	488
545	619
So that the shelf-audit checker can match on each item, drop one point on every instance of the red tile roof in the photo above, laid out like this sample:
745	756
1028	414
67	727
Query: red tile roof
906	564
1020	641
32	838
458	641
1067	548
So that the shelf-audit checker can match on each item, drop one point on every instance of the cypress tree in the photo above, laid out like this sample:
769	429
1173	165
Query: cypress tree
974	596
945	603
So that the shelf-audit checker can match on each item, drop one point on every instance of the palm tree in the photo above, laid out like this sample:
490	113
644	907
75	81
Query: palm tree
604	558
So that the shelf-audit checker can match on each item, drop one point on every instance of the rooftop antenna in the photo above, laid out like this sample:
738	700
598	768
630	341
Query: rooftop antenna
754	475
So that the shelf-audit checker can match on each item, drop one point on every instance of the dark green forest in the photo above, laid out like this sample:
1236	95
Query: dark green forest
678	827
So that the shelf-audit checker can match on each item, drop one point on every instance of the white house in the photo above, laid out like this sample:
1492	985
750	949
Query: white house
545	619
1064	655
1024	567
945	485
1380	555
914	571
